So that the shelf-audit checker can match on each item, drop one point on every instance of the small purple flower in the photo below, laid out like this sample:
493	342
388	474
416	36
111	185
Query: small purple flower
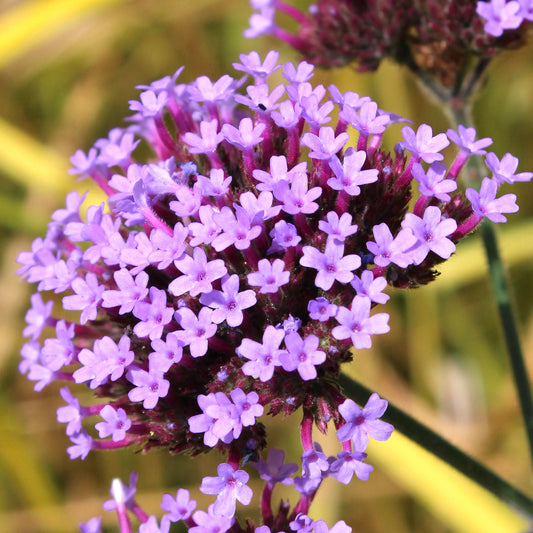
388	249
116	423
71	414
246	135
337	228
315	463
247	406
274	470
88	294
37	316
366	119
129	291
357	324
485	203
423	145
433	183
81	445
230	487
364	423
284	235
263	358
94	525
431	232
499	16
210	522
321	309
324	145
504	170
166	353
207	141
270	276
229	303
464	138
153	315
347	464
149	387
198	274
296	196
371	287
196	329
332	264
251	64
302	355
179	508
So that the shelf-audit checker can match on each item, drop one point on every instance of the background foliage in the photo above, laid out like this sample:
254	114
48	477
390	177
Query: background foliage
67	71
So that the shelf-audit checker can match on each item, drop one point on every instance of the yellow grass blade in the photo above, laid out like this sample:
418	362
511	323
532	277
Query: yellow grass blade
460	503
30	163
28	24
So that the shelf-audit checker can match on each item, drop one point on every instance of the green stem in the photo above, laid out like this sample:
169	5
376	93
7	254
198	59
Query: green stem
502	294
443	449
510	330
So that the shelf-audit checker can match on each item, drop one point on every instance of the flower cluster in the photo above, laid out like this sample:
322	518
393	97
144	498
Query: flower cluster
436	39
235	271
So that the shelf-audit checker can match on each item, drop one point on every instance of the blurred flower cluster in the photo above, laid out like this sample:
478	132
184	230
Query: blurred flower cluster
437	38
248	235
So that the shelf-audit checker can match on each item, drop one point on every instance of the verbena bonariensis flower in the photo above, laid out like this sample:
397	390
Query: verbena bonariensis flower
436	38
234	271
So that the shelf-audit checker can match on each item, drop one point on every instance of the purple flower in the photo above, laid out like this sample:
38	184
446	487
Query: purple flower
247	406
338	228
237	229
153	315
71	414
388	249
37	316
485	203
431	232
347	464
423	145
363	423
246	135
81	445
504	170
357	324
210	522
433	183
204	90
129	291
366	119
331	264
302	355
263	357
179	508
270	276
284	235
499	16
326	144
207	141
230	487
251	64
296	196
301	73
88	294
370	287
274	470
94	525
321	309
465	140
315	463
348	174
149	387
196	329
198	274
166	353
116	423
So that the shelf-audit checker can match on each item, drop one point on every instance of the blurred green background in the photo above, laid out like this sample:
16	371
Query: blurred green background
67	71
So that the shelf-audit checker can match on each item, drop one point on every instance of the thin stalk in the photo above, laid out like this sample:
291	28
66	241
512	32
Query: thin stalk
443	449
502	295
